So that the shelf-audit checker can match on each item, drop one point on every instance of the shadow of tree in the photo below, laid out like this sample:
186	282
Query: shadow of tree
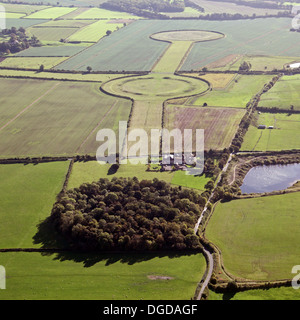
49	239
228	295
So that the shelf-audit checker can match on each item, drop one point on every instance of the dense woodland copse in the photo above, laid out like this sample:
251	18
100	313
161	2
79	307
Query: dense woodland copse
128	214
15	40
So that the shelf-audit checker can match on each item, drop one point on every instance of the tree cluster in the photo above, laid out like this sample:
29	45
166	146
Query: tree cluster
15	40
145	8
128	214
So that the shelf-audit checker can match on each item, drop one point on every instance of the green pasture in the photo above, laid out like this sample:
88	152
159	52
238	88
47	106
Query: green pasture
32	63
236	95
283	293
27	193
52	51
88	276
87	172
258	237
60	120
172	58
51	34
51	13
263	63
284	136
84	77
284	94
95	31
21	8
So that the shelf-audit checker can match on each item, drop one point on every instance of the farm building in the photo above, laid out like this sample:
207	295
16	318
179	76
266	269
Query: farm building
262	126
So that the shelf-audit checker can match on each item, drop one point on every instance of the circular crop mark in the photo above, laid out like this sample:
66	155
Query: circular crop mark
188	35
163	87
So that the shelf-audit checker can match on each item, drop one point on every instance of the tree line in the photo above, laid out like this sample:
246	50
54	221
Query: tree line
128	214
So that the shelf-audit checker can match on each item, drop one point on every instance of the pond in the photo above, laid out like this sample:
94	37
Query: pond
271	178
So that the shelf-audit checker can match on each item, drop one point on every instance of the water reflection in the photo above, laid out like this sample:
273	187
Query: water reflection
271	178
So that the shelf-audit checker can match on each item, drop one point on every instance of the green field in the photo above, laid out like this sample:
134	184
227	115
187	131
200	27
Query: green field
269	294
92	171
32	276
258	236
51	13
62	119
284	94
94	32
32	63
262	63
52	51
284	136
27	193
51	34
236	95
22	8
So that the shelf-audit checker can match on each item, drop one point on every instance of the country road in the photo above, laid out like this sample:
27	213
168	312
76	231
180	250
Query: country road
210	261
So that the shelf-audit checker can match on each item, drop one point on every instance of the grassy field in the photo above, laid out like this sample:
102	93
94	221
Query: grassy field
284	136
51	34
269	294
283	94
236	95
51	51
62	119
27	193
67	23
50	13
58	76
92	171
172	58
217	122
100	277
267	37
262	63
95	31
216	80
25	23
257	236
22	8
34	63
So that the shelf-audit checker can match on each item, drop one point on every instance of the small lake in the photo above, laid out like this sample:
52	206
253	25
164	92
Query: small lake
271	178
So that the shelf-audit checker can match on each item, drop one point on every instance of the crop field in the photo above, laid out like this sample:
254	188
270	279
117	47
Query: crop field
25	23
50	13
21	188
58	120
84	77
22	8
32	63
284	94
94	32
216	80
51	51
51	34
232	8
132	49
217	122
257	236
106	277
236	95
67	23
284	136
